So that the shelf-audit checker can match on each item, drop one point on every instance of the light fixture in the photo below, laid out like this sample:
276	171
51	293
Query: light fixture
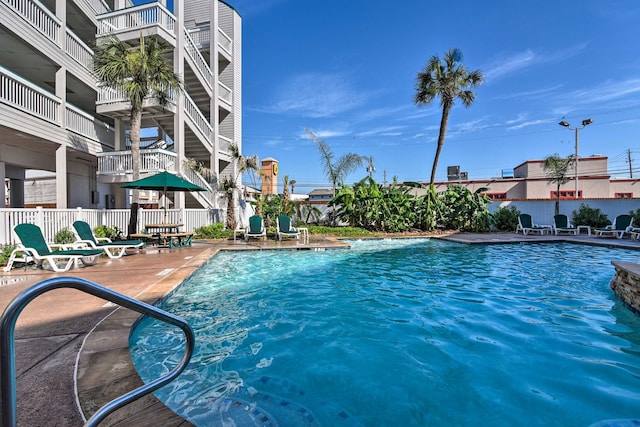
565	124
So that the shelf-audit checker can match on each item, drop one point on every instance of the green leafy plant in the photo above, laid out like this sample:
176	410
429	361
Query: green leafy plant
586	215
5	253
465	210
65	235
214	231
112	233
506	218
636	217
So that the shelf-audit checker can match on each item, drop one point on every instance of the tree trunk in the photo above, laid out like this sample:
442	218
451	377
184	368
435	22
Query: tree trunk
133	220
443	131
134	136
231	212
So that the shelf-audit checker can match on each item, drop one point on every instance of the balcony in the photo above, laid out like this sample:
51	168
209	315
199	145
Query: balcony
28	98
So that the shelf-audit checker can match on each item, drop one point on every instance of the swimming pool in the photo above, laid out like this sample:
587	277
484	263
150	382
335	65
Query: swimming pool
401	332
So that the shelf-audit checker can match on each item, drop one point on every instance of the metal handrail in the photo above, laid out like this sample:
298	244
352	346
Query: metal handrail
7	351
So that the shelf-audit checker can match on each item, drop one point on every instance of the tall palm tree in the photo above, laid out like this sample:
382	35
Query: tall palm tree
447	80
556	169
335	171
141	73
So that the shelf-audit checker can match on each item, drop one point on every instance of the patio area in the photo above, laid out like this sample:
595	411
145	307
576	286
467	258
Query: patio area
65	327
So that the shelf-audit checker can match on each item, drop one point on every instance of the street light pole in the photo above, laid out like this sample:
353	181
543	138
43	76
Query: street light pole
585	123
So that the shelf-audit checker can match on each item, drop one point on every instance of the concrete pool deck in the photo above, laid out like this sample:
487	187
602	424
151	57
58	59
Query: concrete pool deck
66	328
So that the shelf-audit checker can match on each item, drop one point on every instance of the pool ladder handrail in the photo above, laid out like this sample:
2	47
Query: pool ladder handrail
7	350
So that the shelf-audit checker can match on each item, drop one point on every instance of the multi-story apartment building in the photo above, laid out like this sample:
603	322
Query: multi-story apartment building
54	117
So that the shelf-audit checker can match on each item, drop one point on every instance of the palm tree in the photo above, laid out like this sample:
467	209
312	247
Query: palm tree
228	186
447	80
286	197
230	183
336	171
141	73
293	183
556	168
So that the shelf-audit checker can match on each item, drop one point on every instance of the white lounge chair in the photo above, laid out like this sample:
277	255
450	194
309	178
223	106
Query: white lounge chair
621	225
32	244
113	249
526	225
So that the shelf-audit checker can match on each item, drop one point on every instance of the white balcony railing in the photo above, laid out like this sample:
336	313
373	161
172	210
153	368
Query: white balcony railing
121	163
224	143
108	95
38	16
201	36
88	126
78	50
198	60
199	121
25	96
29	98
225	42
50	26
136	18
225	93
207	198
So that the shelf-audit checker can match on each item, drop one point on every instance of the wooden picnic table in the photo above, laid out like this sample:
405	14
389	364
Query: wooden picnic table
167	235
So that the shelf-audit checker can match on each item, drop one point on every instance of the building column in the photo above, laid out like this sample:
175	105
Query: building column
3	189
119	135
179	117
61	178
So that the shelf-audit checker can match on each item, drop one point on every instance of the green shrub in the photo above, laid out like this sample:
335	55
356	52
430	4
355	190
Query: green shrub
505	219
65	236
112	233
636	217
5	253
593	217
214	231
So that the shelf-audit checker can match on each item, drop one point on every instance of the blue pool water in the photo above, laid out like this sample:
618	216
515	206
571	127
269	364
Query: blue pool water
401	333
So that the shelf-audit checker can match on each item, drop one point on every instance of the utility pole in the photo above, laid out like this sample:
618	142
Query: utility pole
371	169
629	160
384	179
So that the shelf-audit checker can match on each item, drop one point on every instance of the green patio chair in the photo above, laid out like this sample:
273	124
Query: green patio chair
621	225
561	224
526	225
112	249
284	228
256	228
32	244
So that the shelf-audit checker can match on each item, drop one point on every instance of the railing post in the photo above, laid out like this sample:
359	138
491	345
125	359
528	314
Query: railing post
40	217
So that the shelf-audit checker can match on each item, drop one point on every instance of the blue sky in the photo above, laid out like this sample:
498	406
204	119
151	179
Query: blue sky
346	70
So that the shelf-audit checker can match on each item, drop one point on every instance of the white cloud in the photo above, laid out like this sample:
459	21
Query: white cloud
506	65
317	95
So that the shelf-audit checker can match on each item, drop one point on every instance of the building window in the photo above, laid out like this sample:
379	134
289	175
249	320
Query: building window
566	194
624	195
496	196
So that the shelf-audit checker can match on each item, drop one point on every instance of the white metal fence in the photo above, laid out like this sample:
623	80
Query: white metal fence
53	220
